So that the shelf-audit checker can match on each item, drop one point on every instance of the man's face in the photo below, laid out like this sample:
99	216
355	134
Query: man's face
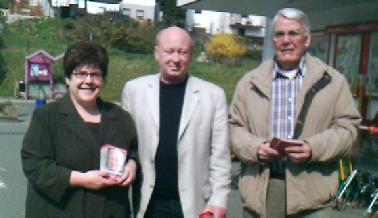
116	160
173	53
290	42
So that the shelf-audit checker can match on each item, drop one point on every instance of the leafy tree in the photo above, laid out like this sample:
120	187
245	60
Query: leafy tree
133	36
172	15
95	27
3	66
6	3
225	46
127	35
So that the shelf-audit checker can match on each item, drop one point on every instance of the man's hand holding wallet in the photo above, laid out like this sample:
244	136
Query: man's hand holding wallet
295	150
280	145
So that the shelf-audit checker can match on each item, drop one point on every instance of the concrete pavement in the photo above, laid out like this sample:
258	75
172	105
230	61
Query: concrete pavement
12	181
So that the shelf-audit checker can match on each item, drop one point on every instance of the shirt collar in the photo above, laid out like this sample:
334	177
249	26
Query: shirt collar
290	74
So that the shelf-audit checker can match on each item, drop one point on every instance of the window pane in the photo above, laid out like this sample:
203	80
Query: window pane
126	11
348	57
372	83
140	13
319	45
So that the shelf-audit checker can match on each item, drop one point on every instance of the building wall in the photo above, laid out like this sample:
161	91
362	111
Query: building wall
46	7
213	22
100	8
222	22
256	32
146	12
138	9
140	2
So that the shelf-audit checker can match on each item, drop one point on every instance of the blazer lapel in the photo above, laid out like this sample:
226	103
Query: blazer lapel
72	120
152	96
191	100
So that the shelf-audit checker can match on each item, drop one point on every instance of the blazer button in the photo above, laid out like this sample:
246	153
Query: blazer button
152	162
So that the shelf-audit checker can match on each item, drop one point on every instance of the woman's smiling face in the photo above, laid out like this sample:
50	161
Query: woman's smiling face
85	84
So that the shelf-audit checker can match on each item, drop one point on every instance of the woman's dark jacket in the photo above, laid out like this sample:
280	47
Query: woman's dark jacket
57	142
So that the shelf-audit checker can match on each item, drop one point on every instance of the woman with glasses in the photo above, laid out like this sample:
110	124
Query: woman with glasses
61	149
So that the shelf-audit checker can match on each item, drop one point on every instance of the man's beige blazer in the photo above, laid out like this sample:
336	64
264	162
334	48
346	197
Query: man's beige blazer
203	153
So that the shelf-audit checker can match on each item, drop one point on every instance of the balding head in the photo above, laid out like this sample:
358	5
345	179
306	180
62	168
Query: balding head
173	51
173	31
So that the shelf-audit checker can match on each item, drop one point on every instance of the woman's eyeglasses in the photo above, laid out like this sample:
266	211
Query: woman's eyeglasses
83	75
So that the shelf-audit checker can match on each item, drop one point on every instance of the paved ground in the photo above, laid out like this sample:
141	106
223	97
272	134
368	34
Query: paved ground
13	182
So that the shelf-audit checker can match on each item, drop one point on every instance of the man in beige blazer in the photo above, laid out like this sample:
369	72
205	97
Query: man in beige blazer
181	122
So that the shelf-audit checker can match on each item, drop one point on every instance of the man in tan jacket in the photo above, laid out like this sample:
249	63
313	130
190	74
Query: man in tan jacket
307	107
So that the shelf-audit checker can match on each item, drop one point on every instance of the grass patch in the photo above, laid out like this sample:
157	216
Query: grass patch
25	37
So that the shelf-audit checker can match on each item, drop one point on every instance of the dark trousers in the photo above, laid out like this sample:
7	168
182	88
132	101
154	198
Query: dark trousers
164	208
276	204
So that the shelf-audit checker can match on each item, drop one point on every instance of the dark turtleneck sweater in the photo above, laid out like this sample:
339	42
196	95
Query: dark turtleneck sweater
166	160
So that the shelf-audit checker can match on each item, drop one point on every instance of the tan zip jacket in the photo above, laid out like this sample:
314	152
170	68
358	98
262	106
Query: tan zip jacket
330	129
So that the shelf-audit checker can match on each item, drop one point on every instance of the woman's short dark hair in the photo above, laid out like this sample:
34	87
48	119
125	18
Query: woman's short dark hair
85	53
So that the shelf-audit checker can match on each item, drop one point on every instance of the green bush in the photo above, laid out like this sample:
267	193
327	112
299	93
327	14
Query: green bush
127	35
254	54
131	36
226	47
54	36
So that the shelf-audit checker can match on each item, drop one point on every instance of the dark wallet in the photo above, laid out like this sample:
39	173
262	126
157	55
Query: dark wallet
280	145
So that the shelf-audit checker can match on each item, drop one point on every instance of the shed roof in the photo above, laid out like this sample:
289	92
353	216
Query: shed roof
42	56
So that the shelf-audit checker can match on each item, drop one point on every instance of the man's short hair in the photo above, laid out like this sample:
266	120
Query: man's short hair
293	14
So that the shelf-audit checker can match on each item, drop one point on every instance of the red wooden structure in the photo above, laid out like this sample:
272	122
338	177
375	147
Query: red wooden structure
39	70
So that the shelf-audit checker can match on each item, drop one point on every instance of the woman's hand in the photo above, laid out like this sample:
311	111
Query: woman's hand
129	173
94	179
